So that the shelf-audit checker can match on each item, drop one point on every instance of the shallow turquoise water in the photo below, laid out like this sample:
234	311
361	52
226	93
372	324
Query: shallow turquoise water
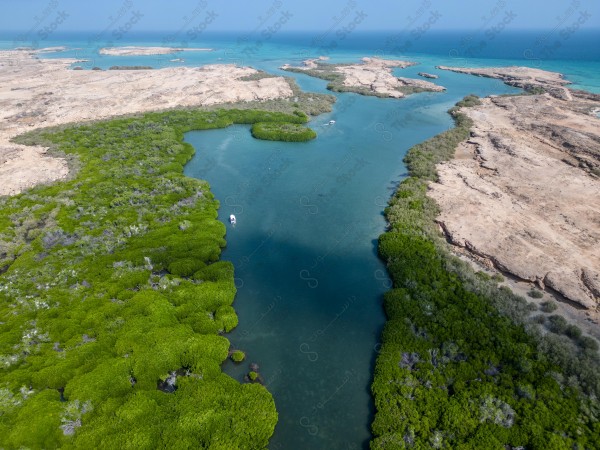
309	281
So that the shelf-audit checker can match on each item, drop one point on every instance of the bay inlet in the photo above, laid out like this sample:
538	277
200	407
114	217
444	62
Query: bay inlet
304	248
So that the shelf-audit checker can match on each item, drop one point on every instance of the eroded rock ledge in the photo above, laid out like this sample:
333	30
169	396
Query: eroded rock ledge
371	77
524	191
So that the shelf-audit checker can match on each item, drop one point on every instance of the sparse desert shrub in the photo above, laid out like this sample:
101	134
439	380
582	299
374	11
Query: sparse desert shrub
498	278
535	293
532	307
573	331
450	326
587	343
557	324
541	319
548	306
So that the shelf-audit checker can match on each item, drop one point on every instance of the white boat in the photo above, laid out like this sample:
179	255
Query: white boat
331	122
232	219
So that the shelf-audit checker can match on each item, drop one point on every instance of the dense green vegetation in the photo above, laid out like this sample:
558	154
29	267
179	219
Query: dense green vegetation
289	132
113	299
462	364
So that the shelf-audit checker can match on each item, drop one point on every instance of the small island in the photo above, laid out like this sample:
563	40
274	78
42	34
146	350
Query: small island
373	76
285	131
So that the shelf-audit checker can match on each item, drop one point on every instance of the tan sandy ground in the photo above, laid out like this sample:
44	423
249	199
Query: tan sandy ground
373	74
44	92
521	192
145	51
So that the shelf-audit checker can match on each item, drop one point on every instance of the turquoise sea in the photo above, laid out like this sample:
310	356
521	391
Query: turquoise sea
309	282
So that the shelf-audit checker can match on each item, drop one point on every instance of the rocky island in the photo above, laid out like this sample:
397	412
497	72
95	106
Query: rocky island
521	194
373	76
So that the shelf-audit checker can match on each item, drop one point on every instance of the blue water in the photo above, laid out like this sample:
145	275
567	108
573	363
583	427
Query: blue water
309	281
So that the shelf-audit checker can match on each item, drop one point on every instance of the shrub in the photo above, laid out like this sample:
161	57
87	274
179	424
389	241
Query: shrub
588	343
557	324
541	319
573	331
238	356
498	278
548	306
535	293
185	267
252	375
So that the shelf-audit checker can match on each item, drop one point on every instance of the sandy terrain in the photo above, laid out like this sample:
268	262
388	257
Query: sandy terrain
523	192
145	51
44	92
373	75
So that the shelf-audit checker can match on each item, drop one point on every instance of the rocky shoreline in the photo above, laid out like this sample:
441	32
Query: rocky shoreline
519	194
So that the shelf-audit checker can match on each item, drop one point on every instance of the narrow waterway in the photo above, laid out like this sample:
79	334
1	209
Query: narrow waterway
309	282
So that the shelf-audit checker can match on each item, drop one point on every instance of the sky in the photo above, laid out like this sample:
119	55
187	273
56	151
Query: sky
288	15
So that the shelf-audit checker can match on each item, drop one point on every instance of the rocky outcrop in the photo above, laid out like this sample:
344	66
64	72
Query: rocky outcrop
532	80
523	192
428	75
373	76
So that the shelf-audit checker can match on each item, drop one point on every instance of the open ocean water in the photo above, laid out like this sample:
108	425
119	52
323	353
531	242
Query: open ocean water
309	281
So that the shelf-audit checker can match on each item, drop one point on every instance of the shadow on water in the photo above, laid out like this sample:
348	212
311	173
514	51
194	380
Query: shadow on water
314	339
